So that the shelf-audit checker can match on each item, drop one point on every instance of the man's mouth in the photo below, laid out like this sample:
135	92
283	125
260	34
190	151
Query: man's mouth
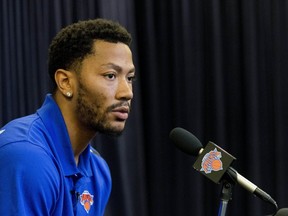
121	112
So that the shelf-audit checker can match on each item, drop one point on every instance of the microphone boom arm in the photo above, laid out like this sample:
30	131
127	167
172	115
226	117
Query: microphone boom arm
249	186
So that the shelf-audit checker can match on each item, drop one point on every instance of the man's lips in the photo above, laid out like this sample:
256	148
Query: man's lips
121	112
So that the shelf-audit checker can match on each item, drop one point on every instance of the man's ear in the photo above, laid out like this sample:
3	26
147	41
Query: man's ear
65	82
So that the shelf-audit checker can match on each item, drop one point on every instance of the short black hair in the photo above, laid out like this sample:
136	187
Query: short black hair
75	42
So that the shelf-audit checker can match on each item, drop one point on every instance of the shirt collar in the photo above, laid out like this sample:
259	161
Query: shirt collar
53	120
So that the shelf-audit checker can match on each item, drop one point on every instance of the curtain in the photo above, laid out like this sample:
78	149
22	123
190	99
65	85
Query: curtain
216	68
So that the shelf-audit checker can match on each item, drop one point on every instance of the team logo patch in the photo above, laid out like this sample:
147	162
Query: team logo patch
86	199
211	162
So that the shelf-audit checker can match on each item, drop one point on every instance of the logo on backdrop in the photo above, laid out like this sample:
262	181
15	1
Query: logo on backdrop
86	199
211	162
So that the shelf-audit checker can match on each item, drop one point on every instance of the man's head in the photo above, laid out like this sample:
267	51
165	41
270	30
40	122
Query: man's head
75	42
91	64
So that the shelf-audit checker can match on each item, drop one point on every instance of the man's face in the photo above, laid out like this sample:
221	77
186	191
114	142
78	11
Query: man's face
105	88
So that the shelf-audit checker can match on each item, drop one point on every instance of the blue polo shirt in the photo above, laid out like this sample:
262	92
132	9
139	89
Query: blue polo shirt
38	173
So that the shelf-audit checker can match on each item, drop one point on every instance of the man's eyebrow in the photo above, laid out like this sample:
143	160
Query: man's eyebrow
116	67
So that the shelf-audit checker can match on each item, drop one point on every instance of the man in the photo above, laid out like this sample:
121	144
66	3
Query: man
47	164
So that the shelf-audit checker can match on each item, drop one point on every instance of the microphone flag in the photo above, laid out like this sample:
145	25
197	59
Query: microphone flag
213	162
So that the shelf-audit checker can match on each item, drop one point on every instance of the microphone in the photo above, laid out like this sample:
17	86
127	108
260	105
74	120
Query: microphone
282	212
214	162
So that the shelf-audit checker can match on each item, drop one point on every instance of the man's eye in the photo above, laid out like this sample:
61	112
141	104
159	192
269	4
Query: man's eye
131	78
110	76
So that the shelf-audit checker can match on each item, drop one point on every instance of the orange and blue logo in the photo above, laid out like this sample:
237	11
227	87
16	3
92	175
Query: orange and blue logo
86	199
212	162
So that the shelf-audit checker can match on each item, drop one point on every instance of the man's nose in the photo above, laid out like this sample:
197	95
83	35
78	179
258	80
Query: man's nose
125	90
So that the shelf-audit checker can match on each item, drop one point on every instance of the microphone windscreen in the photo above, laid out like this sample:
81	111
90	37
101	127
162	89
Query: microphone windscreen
185	141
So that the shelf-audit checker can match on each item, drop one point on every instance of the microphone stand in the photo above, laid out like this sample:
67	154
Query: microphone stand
226	195
228	181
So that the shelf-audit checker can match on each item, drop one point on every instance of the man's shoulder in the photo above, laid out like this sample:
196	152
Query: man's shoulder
99	165
94	152
24	153
24	129
31	174
23	143
30	164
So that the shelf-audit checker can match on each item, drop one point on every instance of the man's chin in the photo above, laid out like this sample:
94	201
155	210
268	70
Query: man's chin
112	131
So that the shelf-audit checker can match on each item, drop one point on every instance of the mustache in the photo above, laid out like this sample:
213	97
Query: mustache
120	104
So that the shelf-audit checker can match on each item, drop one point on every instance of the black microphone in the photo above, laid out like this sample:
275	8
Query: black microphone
214	162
